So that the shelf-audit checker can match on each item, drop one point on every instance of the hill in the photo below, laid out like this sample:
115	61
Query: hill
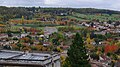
7	13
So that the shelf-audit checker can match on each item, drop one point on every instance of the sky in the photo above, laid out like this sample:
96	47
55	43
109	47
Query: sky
101	4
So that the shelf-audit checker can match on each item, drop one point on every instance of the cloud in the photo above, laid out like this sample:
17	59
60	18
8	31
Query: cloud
21	2
103	4
51	2
90	0
56	2
115	5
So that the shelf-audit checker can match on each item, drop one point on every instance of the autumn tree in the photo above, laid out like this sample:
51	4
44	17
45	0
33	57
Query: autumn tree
110	48
89	44
77	54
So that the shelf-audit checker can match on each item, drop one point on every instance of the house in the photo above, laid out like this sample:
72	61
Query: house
46	44
24	35
100	32
3	36
49	30
16	36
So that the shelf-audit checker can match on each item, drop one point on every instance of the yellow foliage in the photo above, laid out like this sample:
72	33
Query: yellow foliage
62	58
118	44
98	53
90	46
59	49
40	39
89	40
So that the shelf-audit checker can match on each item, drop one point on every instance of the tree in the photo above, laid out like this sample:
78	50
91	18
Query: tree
9	34
77	54
20	46
22	19
15	38
89	44
111	48
7	47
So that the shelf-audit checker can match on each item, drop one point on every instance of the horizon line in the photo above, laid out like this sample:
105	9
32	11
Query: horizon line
61	7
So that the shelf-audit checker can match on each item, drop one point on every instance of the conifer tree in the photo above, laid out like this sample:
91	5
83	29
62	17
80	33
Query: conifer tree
77	54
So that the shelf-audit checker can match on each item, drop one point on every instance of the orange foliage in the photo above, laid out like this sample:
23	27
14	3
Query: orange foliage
26	48
44	49
110	39
26	39
2	25
2	30
61	23
14	46
32	30
110	48
24	21
39	47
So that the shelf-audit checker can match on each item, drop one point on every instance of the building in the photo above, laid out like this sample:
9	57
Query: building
24	35
19	58
3	36
49	30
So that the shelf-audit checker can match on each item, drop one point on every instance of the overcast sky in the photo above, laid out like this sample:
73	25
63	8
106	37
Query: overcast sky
102	4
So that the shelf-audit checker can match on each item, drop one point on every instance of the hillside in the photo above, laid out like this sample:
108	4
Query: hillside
7	13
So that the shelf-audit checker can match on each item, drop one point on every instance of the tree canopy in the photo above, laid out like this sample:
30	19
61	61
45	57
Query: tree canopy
77	54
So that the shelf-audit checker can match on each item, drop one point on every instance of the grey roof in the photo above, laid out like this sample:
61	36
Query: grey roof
31	56
19	55
6	55
22	55
26	58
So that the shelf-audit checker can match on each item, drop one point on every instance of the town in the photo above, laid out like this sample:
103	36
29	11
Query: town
44	37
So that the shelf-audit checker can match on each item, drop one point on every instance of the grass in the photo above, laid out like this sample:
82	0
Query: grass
101	17
16	27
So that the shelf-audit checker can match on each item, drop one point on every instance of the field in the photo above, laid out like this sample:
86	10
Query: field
33	23
100	17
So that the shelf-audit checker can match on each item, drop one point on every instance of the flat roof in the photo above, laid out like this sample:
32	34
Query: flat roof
6	55
23	58
31	56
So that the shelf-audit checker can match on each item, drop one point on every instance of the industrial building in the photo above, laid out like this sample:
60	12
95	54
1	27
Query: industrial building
25	59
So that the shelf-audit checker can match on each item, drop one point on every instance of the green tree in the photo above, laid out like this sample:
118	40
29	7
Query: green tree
77	54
